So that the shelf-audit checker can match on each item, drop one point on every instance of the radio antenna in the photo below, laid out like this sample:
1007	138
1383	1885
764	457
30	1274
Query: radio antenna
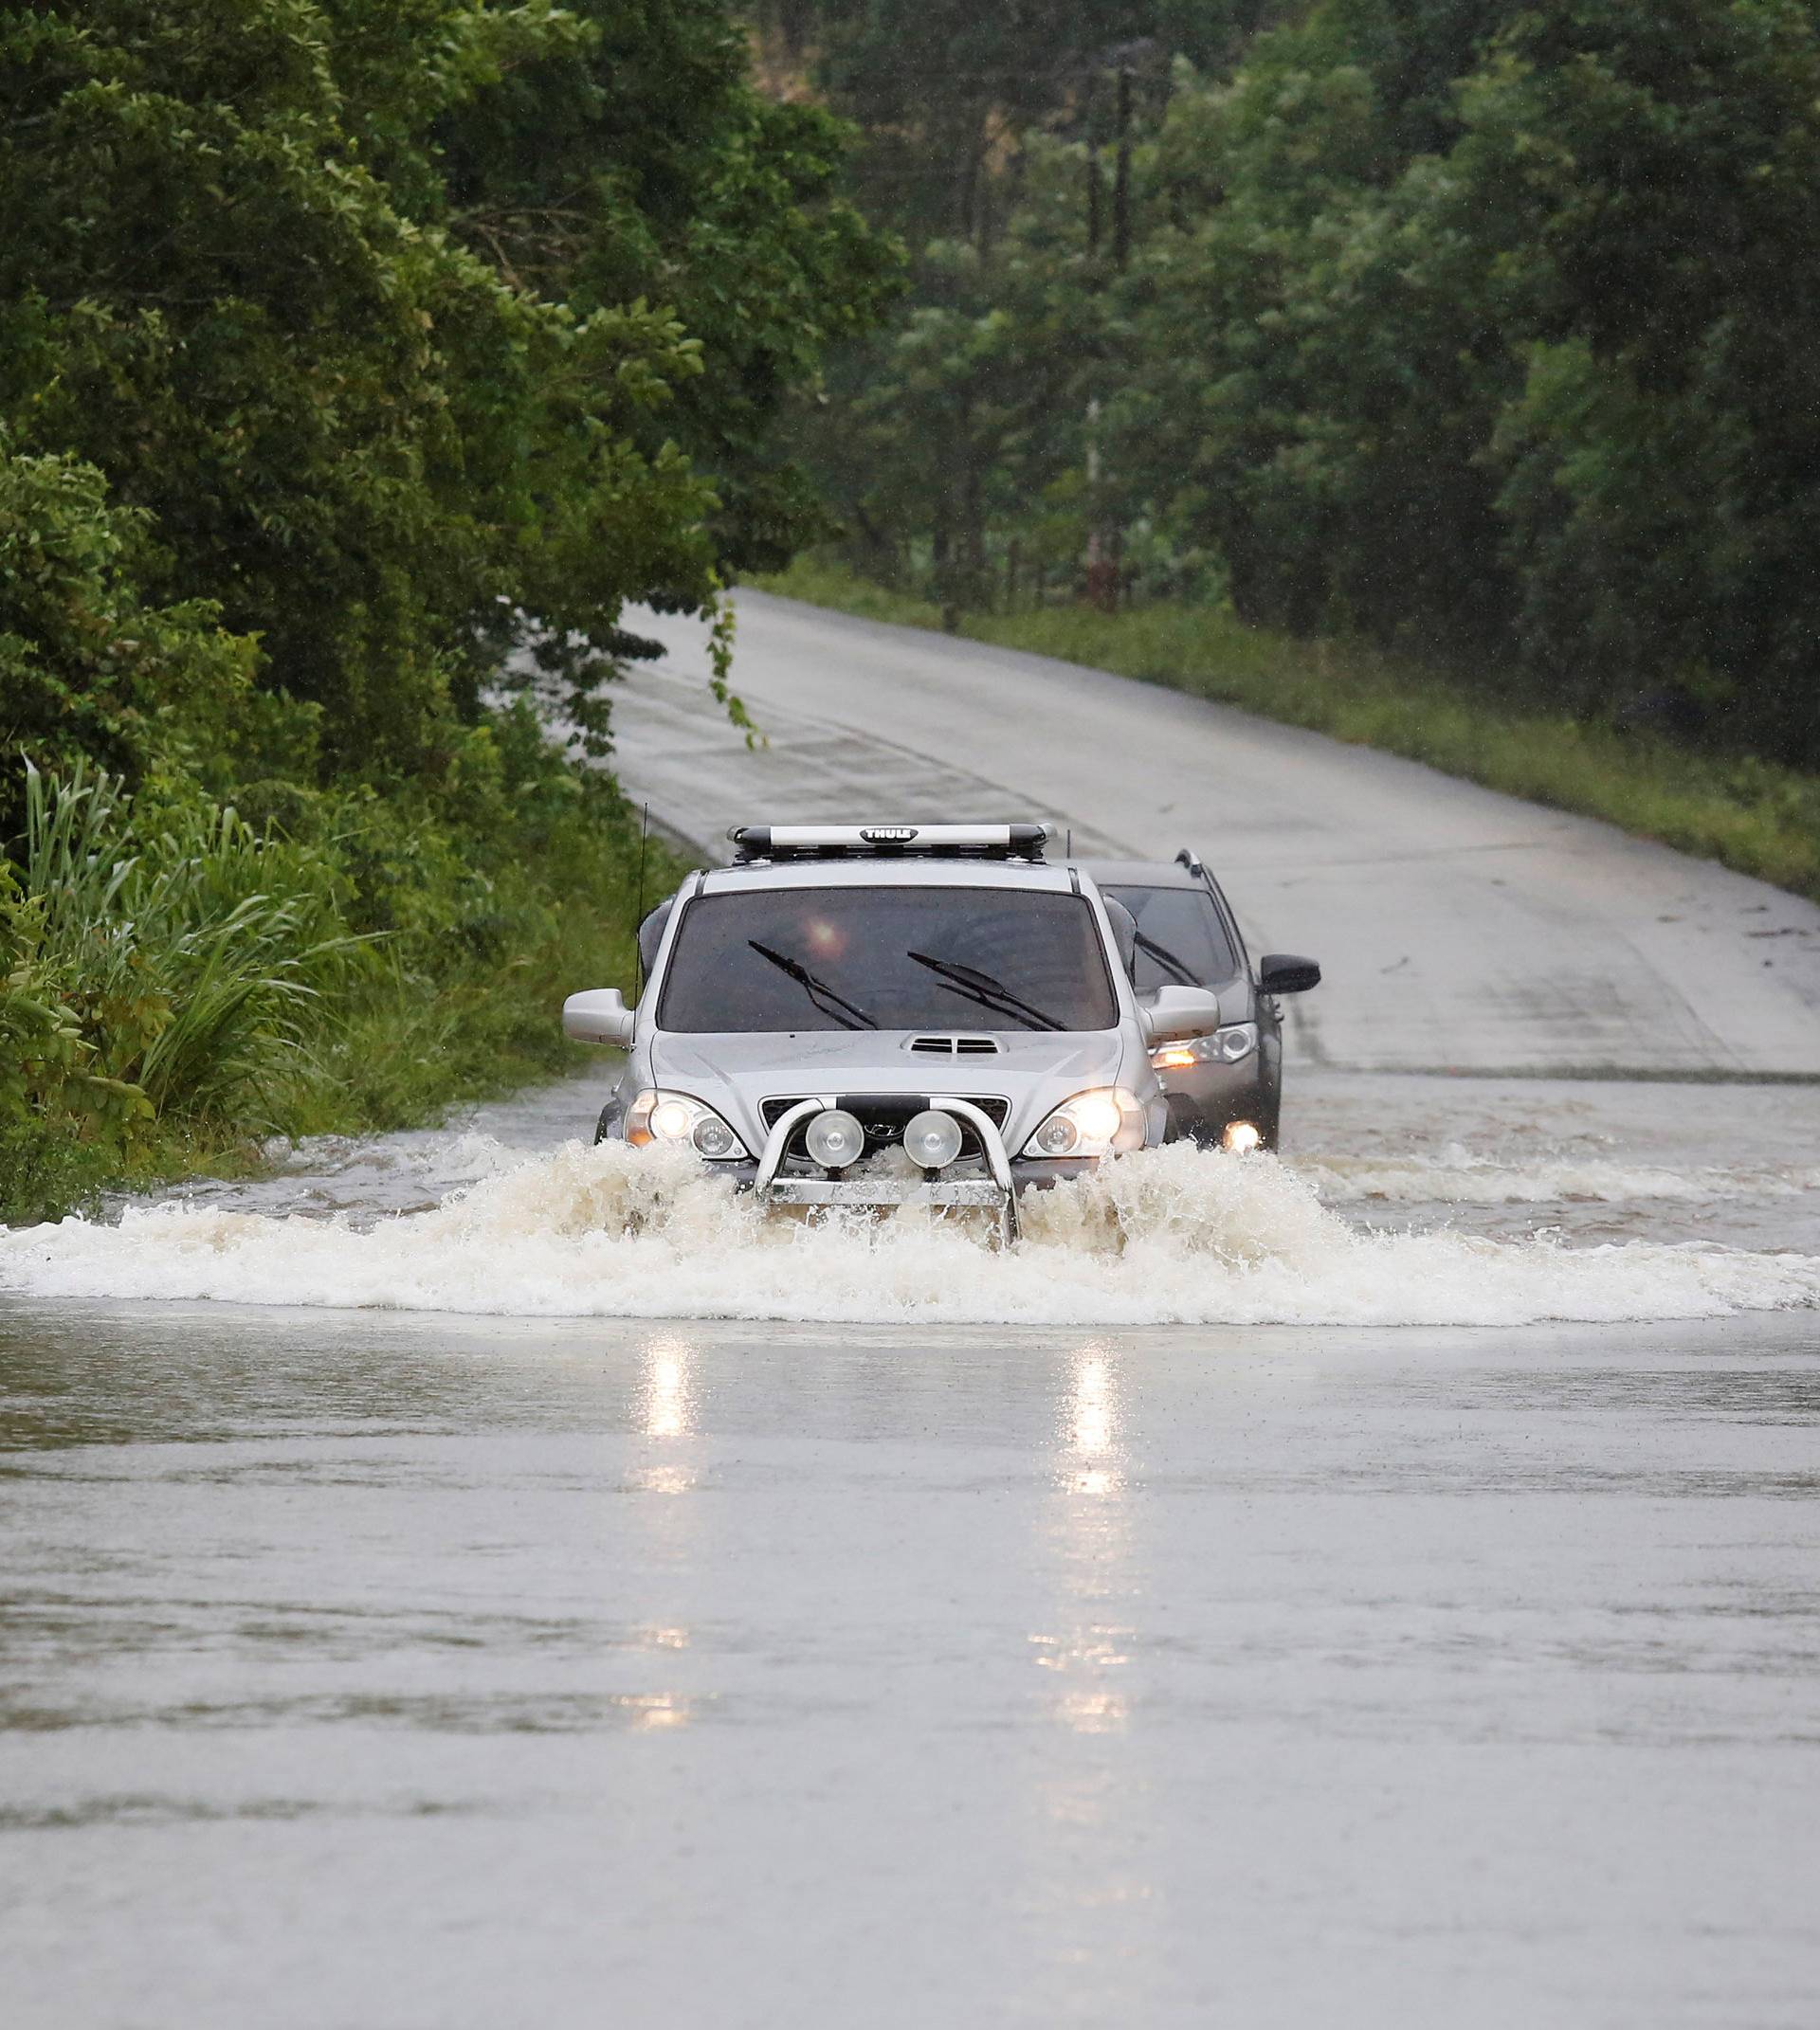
638	920
1068	849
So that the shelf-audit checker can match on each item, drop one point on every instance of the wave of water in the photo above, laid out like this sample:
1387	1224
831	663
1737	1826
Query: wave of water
1175	1235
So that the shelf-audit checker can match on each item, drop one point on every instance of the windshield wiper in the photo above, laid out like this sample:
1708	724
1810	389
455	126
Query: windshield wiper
1167	959
819	992
984	990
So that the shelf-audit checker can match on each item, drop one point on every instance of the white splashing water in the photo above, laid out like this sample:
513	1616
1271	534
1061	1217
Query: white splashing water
1175	1235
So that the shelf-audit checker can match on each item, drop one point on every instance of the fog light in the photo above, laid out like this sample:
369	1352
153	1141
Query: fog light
932	1140
1240	1138
834	1139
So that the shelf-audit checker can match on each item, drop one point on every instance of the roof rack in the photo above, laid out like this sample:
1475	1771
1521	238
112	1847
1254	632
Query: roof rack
853	842
1191	859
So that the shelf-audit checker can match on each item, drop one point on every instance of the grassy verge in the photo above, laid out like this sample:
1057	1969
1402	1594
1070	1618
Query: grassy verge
180	980
1752	815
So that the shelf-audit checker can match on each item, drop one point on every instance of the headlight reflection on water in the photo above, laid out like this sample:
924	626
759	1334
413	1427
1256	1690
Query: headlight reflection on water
665	1409
1088	1530
665	1535
668	1399
1092	1425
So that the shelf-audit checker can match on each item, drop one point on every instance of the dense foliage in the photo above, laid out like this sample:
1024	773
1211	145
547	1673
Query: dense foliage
636	162
344	348
1478	330
270	270
179	978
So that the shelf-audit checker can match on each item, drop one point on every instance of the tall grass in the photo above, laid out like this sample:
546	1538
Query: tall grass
1749	813
188	952
179	983
157	975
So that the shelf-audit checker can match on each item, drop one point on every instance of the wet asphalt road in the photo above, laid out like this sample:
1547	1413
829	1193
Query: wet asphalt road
434	1672
1461	929
376	1671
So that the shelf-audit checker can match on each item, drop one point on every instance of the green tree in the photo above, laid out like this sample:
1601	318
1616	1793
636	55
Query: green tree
992	143
635	161
1638	180
236	283
88	667
1313	372
1481	329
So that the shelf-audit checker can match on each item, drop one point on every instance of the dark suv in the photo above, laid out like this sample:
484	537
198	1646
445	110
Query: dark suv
1225	1089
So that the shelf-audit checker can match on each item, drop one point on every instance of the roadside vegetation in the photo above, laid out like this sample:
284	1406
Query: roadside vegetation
1758	816
359	368
186	982
1450	336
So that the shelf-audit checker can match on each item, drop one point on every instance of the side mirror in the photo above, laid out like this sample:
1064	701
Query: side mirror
598	1017
1180	1012
1282	972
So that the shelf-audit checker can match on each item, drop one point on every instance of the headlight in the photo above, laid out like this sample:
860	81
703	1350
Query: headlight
1230	1045
1091	1124
676	1117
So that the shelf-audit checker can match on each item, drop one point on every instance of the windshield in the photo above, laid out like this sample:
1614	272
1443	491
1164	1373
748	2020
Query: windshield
1181	941
887	958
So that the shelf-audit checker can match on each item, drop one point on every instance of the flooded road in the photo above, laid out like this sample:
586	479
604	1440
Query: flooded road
362	1668
457	1583
424	1671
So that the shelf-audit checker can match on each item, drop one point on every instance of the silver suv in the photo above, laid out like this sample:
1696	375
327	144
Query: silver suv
880	1015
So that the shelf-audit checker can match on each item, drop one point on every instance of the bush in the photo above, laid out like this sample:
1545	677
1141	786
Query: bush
176	984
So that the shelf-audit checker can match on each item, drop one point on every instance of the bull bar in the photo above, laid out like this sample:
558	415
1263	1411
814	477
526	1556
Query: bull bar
994	1194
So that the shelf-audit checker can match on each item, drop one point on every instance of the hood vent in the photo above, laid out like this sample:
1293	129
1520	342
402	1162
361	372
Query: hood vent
955	1046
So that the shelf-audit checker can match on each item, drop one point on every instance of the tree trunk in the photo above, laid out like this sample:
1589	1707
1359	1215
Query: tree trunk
974	528
1121	179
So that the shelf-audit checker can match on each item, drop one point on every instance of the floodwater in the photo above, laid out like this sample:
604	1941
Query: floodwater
1534	1202
998	1656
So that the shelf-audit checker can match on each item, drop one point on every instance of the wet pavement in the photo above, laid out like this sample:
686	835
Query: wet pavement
1460	930
391	1671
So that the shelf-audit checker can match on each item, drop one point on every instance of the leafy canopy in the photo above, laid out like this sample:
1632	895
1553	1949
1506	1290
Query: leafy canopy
268	271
